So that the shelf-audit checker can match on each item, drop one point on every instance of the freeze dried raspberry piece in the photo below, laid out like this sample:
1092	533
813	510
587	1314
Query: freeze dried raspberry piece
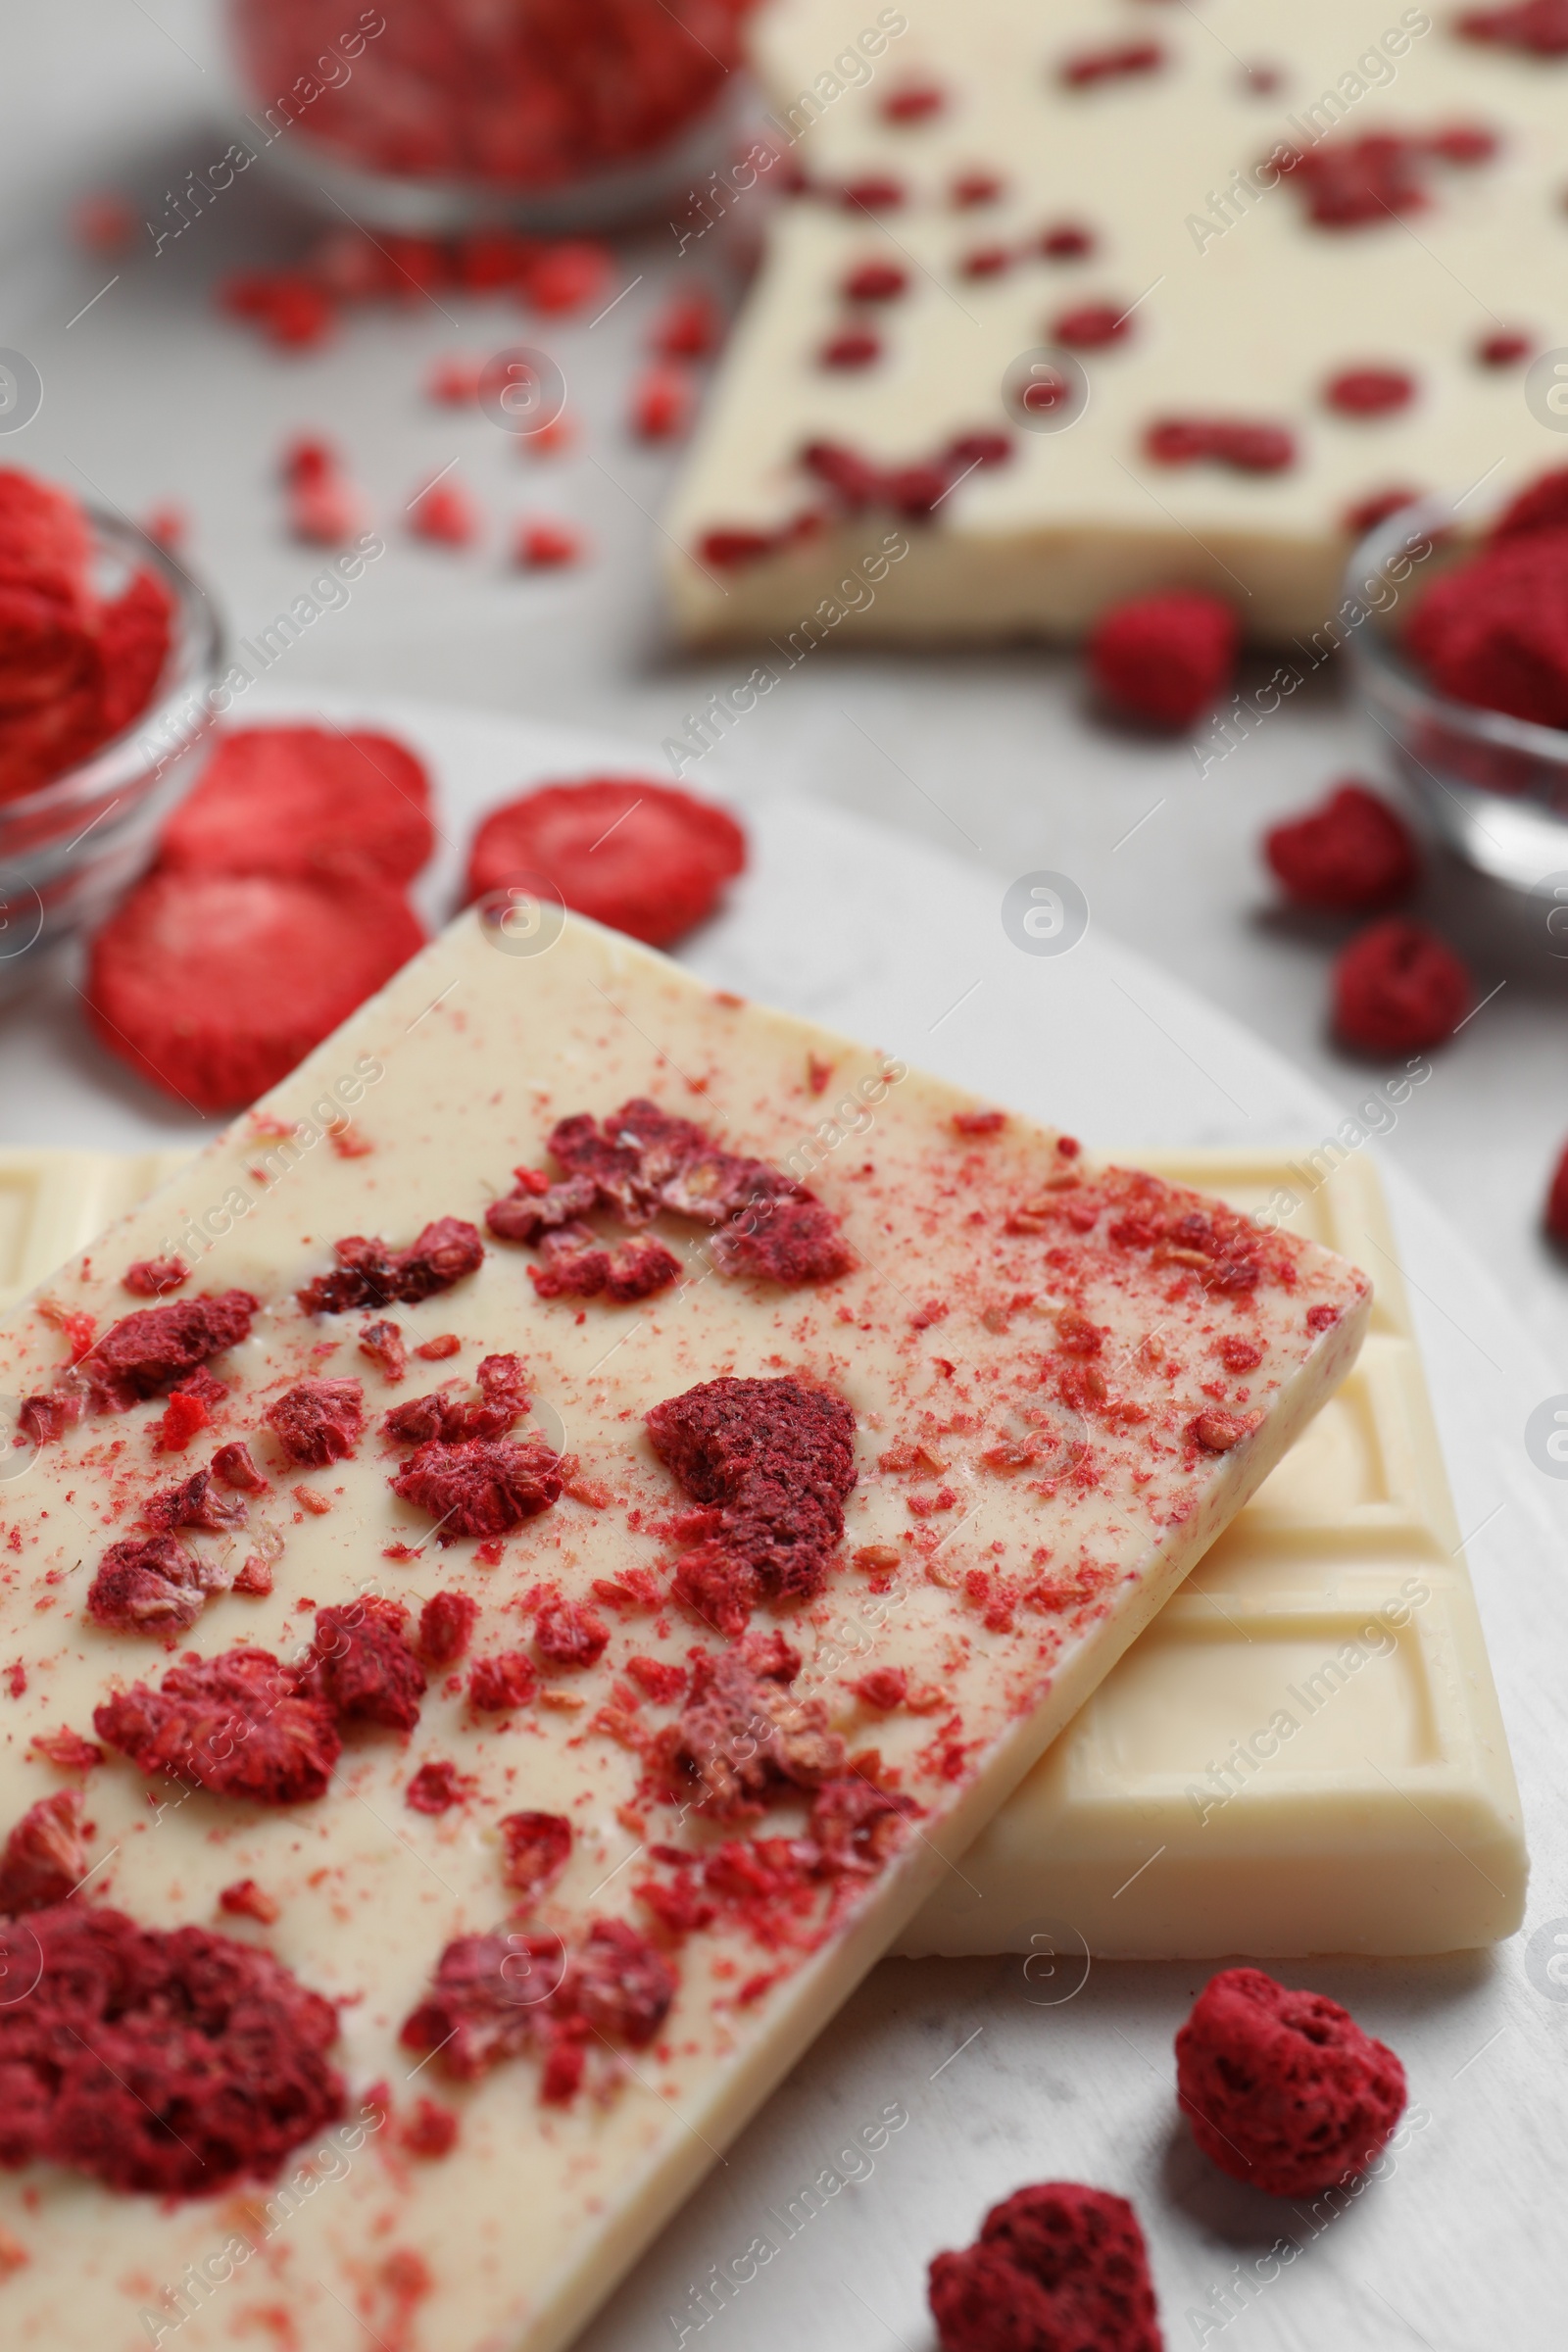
785	1240
1243	444
1542	505
234	1465
150	1587
431	2130
1398	988
744	1738
154	1277
303	803
214	986
1091	325
1536	27
507	1679
1165	659
536	1849
776	1460
446	1626
691	327
565	1633
632	854
68	1750
1282	2087
1087	68
360	1666
1054	2267
495	1996
1557	1210
444	514
192	1504
318	1421
1352	852
1370	391
168	2064
1357	182
45	1858
436	1788
147	1353
1364	514
504	1400
371	1273
481	1487
235	1724
1494	631
542	545
576	1267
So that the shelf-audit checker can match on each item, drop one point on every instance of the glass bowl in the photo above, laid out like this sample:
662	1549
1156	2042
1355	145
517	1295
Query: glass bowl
70	848
1494	788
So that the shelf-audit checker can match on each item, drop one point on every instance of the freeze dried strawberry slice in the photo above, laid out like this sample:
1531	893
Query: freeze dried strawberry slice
45	536
214	986
777	1461
1398	989
150	1587
170	2064
1282	2087
1165	659
371	1273
145	1353
45	1859
304	802
632	854
135	635
235	1724
361	1665
480	1488
318	1421
48	645
1352	852
1054	2266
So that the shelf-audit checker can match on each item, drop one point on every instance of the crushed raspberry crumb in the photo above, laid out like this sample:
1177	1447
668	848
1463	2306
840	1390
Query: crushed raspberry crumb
874	281
150	1587
691	327
446	1626
853	347
232	1465
244	1899
1054	2266
1354	853
318	1421
1165	659
436	1788
507	1679
186	1416
360	1666
777	1461
1239	443
874	192
387	1348
145	1353
479	1486
884	1689
235	1724
192	1504
1365	513
541	545
986	261
152	1277
1090	66
444	514
1067	241
66	1750
431	2131
1536	27
495	1996
565	1633
1282	2088
437	1350
1092	325
1508	347
370	1274
971	190
744	1738
663	402
1370	391
979	1122
537	1849
45	1856
1398	989
658	1678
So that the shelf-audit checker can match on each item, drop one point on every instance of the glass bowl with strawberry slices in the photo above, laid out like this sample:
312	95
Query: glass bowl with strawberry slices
424	116
108	655
1455	621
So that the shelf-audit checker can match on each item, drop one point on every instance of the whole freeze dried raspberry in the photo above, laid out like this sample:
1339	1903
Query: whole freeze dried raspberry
1282	2087
1165	659
1494	631
1351	853
45	1859
537	1847
631	852
144	1354
480	1487
169	2064
318	1421
360	1666
1398	988
1057	2268
235	1724
446	1626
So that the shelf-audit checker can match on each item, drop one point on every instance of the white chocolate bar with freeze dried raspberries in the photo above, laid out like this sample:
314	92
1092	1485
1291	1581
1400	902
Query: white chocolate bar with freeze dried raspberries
1269	352
546	1537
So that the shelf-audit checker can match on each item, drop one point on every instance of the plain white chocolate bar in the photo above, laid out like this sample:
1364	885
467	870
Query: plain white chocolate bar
1190	285
651	1852
1302	1754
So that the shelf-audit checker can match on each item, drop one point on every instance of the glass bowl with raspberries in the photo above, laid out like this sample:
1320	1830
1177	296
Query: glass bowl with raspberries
425	117
1457	627
109	653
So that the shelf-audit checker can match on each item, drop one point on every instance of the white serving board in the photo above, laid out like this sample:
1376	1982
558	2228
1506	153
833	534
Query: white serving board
1004	2077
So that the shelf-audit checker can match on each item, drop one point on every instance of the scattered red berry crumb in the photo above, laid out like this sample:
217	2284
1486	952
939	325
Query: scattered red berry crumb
874	281
211	987
1370	391
152	1277
1377	507
44	1859
1054	2267
506	1679
663	402
567	275
233	1724
635	854
913	102
445	513
1282	2089
1239	443
1493	632
446	1626
1091	325
1398	989
369	1273
537	1849
480	1487
233	1466
690	326
986	261
1089	66
244	1899
436	1788
565	1633
318	1421
542	545
431	2131
1067	241
1507	347
1354	853
360	1666
1165	659
971	190
453	382
851	347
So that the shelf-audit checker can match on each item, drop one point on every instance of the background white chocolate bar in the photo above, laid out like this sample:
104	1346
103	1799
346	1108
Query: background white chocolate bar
1012	1541
1303	1754
1235	304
